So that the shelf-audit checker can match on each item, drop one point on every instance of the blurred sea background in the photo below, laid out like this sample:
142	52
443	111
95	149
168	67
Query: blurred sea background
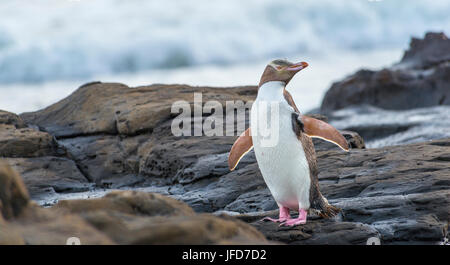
48	48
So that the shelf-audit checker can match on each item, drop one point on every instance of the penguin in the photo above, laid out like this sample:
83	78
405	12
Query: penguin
289	164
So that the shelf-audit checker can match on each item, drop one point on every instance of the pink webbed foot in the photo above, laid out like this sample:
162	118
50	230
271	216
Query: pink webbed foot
296	221
284	216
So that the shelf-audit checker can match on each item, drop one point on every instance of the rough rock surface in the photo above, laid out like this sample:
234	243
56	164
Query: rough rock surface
120	217
39	158
113	132
16	140
11	119
13	193
421	79
105	108
48	175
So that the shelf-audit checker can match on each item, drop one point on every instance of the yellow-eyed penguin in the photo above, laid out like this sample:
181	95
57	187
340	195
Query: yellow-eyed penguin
288	165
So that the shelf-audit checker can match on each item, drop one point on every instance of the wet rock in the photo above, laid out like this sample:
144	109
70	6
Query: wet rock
320	232
218	193
420	80
44	176
39	157
109	161
381	127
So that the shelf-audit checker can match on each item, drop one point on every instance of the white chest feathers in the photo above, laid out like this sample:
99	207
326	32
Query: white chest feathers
279	153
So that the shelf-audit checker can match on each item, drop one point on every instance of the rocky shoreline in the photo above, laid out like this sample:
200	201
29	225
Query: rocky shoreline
106	137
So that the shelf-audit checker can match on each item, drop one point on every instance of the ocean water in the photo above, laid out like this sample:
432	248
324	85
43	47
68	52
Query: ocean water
50	47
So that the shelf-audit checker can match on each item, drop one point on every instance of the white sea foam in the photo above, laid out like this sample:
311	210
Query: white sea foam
59	40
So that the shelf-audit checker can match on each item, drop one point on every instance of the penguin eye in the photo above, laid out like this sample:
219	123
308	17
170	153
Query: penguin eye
279	67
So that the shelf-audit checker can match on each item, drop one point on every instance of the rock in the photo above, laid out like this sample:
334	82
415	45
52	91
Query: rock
13	194
421	79
396	193
44	176
402	191
321	232
400	194
16	140
11	119
26	142
227	192
39	157
112	108
424	53
118	134
130	217
381	127
107	160
121	217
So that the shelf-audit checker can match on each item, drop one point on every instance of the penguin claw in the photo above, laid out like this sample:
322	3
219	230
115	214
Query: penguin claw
279	220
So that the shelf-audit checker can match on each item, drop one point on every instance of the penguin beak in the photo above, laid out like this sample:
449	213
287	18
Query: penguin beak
297	67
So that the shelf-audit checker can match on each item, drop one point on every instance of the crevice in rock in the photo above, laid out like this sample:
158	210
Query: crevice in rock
70	136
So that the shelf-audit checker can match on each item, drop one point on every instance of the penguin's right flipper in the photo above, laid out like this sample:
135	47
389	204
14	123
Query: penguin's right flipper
240	148
319	129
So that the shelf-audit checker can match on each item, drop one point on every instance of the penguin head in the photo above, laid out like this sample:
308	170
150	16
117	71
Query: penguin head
281	70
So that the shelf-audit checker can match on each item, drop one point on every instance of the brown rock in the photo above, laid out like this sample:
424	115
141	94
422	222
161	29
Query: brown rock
122	217
13	194
43	176
26	142
39	158
112	108
131	217
130	202
11	119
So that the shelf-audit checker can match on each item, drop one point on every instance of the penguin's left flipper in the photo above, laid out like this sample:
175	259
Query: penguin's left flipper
240	148
319	129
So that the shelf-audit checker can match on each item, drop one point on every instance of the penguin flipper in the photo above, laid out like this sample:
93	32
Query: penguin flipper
240	148
315	128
